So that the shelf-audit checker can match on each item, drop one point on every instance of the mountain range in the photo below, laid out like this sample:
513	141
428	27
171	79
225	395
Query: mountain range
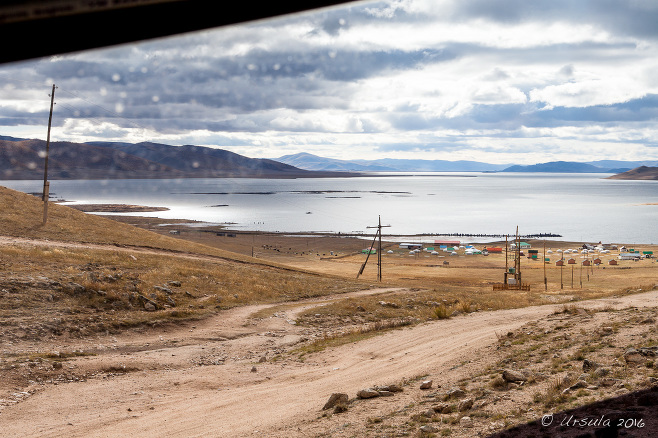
567	167
24	159
308	161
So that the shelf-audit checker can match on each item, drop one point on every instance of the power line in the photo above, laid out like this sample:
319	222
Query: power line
379	227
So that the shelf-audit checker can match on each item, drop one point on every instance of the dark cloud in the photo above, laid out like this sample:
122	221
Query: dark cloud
333	25
9	120
511	117
567	70
636	18
640	110
237	80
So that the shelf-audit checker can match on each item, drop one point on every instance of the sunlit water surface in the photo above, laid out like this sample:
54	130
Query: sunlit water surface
579	207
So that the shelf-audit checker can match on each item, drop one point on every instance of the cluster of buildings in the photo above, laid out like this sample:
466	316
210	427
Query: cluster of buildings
591	253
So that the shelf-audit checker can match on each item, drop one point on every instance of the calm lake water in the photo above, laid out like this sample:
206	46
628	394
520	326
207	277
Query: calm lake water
580	207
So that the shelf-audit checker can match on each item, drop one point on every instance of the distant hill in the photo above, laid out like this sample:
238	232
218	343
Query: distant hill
304	160
201	161
439	165
308	161
617	164
641	173
559	167
24	159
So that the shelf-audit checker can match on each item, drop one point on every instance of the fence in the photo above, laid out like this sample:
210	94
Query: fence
518	286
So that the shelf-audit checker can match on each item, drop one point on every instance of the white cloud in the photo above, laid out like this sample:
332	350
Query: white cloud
509	81
588	93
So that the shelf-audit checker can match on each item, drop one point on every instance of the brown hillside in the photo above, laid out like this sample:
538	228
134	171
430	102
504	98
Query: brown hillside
25	160
641	173
22	216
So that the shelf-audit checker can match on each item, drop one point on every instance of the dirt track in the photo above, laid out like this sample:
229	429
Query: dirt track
197	380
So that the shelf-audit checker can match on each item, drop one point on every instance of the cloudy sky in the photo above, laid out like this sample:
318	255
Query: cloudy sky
502	81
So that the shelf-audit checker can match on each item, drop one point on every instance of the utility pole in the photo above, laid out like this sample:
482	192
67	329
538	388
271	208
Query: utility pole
506	262
46	184
517	262
379	250
545	280
561	266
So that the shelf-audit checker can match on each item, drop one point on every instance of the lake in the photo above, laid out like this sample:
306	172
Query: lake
579	207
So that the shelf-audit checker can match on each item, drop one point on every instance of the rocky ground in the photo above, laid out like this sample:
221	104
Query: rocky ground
471	375
288	369
578	372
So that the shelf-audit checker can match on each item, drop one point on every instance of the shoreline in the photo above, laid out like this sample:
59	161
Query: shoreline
115	212
322	244
114	208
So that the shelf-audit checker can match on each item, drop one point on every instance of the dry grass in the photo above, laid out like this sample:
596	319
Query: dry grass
354	334
80	290
232	279
102	290
481	273
421	305
22	216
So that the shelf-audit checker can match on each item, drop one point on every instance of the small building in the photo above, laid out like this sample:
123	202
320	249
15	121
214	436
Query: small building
613	262
494	249
629	256
587	263
571	261
597	261
559	263
447	242
411	246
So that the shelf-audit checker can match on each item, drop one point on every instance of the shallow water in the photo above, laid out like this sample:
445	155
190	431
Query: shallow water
579	207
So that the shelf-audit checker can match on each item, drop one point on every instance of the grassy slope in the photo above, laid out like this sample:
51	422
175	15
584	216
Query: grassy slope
22	216
113	280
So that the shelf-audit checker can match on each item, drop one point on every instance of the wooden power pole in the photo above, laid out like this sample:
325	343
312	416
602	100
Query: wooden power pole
46	184
379	227
544	263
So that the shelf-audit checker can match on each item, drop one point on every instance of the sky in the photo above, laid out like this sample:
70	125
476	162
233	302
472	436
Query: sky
498	81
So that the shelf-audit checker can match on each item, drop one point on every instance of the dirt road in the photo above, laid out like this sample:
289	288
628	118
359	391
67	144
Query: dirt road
207	380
